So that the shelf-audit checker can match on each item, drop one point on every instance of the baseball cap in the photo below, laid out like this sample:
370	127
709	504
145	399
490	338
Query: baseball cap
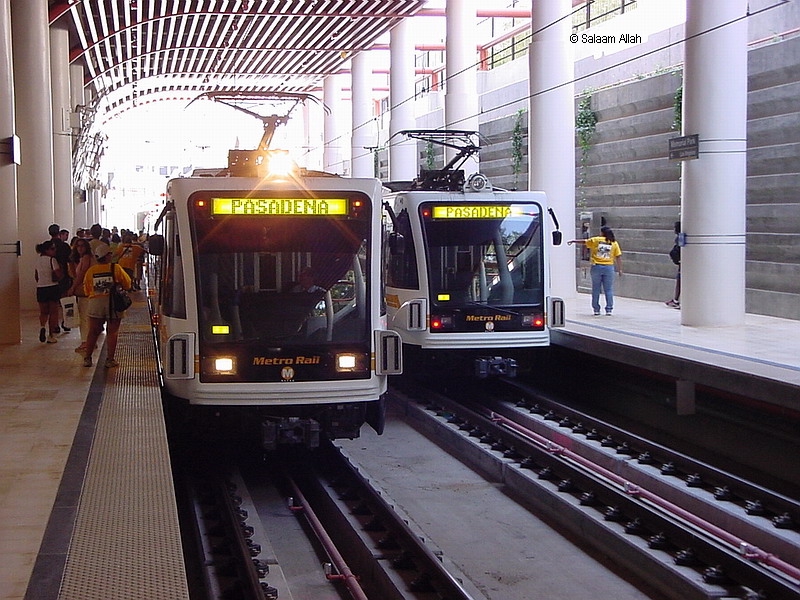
101	250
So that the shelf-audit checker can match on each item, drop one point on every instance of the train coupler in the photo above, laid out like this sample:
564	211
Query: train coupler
495	366
283	432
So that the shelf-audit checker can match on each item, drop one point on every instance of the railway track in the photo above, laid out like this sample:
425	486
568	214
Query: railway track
352	542
688	528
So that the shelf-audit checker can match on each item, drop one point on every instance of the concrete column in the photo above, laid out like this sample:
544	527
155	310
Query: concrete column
334	140
551	130
30	35
403	161
94	213
363	138
76	91
461	104
713	186
77	99
62	141
9	263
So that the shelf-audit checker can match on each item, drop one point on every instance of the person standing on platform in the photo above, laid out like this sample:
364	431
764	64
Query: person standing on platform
129	256
97	285
48	291
95	231
62	256
605	258
675	255
81	260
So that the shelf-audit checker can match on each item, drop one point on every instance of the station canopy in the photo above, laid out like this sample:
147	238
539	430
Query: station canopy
142	51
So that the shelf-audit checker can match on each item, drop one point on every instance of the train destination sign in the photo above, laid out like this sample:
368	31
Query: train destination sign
685	147
279	206
456	211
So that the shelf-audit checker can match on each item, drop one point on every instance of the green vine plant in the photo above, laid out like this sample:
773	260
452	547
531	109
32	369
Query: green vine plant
677	117
430	156
585	126
517	147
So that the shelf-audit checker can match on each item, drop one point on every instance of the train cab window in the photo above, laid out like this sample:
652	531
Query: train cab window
248	267
491	256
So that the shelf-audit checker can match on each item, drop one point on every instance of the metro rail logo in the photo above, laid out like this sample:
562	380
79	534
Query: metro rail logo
278	360
488	318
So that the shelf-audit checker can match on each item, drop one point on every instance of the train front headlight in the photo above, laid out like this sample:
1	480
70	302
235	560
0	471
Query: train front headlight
346	362
225	365
281	165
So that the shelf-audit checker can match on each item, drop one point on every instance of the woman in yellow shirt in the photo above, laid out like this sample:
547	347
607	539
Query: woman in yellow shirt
97	284
605	258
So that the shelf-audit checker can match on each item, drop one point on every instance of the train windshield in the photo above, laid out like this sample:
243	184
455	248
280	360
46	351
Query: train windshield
282	271
487	253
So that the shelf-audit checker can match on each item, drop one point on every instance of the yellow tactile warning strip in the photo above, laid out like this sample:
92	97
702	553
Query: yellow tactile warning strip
126	540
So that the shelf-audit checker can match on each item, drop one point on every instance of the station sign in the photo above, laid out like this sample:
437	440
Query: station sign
685	147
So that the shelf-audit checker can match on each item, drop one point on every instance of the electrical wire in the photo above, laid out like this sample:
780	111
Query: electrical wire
574	80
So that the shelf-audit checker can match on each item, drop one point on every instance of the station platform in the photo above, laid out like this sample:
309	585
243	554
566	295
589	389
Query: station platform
87	508
759	360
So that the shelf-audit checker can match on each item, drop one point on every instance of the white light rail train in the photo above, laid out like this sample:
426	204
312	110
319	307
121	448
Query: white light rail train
269	311
466	265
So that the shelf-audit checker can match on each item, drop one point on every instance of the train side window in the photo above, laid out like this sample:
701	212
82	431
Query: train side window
173	292
401	256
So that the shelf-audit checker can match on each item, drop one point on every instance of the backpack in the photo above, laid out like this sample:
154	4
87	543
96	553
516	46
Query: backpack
675	254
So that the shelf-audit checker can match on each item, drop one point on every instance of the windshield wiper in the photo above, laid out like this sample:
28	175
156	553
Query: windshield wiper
493	307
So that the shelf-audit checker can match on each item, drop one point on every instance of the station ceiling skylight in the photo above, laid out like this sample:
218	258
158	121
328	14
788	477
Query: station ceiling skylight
140	50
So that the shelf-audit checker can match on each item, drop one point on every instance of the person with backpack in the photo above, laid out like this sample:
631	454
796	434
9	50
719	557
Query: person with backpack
675	255
98	284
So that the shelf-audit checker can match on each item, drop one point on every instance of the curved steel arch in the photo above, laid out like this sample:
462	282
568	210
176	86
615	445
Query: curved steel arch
251	45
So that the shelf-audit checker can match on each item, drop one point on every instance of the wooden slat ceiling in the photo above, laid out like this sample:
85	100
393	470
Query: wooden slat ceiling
137	50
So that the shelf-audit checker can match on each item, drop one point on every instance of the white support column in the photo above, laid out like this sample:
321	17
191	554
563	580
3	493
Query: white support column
334	140
77	99
461	101
62	141
76	91
30	36
363	137
551	130
403	161
713	186
9	263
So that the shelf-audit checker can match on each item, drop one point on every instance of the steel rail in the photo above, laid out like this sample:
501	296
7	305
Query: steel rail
738	560
345	574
